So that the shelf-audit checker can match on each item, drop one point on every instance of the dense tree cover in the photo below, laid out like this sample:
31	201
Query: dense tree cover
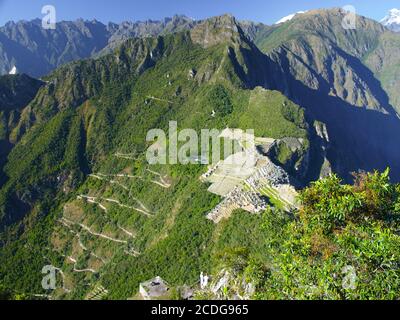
342	243
8	294
219	99
16	91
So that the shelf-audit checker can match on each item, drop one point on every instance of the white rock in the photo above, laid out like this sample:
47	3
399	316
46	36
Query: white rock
289	17
13	70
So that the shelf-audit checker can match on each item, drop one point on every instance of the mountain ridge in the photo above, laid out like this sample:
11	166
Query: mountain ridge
79	194
27	41
101	38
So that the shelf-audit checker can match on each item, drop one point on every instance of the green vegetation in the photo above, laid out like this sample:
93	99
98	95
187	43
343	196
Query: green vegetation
385	63
219	98
3	126
273	196
284	154
342	243
16	91
270	114
79	194
7	294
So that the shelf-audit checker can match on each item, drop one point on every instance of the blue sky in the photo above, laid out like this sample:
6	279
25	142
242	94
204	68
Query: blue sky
119	10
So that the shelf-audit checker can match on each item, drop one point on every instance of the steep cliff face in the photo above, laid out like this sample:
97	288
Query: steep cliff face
328	25
320	65
318	52
323	67
28	48
16	91
384	61
78	170
36	51
326	68
142	29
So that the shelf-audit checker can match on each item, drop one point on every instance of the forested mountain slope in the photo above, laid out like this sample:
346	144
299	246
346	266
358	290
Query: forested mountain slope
37	51
336	75
79	194
92	117
33	50
16	92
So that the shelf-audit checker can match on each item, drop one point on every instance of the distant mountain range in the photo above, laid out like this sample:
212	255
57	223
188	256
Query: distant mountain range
25	46
35	51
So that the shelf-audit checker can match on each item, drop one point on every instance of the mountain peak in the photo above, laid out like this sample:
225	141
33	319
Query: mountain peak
216	30
289	17
392	20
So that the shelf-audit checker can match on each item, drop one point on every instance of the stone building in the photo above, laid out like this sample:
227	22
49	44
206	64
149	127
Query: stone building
155	289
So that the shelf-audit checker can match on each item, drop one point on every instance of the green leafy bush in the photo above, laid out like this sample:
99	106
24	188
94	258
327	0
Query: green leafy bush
342	244
218	98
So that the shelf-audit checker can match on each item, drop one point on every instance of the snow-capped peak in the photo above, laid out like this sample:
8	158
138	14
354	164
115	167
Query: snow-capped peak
289	17
13	70
392	20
